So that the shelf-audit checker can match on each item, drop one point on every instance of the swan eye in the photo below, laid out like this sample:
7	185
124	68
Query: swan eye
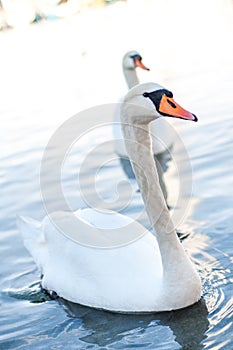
134	57
161	96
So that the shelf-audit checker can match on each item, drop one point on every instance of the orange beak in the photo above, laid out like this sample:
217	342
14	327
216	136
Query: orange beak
138	63
170	108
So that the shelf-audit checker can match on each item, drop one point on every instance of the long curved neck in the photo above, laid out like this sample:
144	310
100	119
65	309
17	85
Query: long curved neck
130	77
138	145
140	153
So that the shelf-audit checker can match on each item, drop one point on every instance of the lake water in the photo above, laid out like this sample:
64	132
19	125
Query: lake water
53	70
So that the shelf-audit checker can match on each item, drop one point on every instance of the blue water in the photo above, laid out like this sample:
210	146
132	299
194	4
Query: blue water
50	72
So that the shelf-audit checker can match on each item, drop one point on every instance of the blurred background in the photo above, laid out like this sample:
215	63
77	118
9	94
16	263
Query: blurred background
60	57
23	12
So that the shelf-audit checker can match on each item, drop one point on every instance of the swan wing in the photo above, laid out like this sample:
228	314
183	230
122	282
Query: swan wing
125	278
34	240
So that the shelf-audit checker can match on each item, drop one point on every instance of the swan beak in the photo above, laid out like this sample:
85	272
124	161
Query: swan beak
170	108
138	63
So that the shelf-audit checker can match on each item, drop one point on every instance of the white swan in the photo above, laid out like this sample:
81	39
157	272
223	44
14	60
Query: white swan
131	60
150	273
163	138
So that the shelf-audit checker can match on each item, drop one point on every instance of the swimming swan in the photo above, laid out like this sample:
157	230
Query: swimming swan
163	137
160	127
150	272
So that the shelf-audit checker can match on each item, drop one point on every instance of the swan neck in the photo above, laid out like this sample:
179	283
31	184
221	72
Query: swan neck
138	146
130	77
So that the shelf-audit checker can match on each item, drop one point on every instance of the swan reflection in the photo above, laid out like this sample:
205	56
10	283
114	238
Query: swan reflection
188	325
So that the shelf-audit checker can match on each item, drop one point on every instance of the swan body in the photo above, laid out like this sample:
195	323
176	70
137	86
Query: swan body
160	128
148	273
113	279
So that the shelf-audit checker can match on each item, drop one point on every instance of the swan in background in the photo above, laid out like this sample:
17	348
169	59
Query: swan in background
150	273
159	127
163	138
131	60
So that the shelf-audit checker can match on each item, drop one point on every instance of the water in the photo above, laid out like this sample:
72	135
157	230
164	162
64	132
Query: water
49	72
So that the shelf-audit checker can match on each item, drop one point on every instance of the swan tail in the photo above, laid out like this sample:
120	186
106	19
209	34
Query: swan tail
33	238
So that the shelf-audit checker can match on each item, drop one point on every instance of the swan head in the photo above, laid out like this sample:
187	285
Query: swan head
149	101
132	60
